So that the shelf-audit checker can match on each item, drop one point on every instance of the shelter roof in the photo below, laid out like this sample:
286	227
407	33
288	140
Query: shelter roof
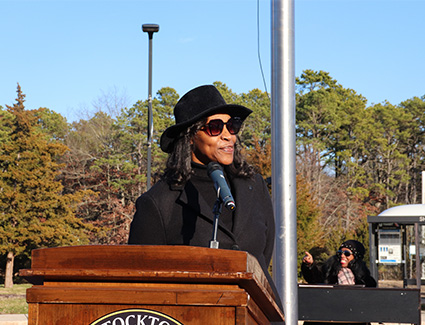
402	214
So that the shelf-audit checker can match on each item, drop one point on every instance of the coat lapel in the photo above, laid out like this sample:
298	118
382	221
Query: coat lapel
190	197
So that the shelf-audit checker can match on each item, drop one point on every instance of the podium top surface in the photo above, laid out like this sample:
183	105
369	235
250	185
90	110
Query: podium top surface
136	262
144	257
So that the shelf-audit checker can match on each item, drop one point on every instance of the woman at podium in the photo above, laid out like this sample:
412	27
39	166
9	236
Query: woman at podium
181	207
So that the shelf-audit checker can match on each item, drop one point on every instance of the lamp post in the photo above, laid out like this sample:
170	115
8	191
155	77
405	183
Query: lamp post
150	29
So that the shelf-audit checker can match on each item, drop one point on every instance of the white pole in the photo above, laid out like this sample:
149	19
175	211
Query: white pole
283	157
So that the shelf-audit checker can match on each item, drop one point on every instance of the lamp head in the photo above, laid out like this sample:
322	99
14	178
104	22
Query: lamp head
150	29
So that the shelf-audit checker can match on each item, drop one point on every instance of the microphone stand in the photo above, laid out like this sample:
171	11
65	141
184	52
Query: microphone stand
217	211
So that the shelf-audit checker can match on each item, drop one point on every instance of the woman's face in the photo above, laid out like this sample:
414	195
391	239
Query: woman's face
346	259
218	148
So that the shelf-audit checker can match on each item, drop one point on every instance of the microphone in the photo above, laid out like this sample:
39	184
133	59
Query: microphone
215	172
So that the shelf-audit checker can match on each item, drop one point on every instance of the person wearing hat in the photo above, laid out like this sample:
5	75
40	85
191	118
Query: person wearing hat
346	267
178	209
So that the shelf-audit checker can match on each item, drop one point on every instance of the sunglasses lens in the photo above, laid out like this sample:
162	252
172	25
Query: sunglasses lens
234	125
215	127
346	253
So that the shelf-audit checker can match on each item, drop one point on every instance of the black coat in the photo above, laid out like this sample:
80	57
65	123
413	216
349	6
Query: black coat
179	216
168	216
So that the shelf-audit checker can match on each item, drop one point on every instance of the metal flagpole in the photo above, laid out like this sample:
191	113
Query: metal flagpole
283	156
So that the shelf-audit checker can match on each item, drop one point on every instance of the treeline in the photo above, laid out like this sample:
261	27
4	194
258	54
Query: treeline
353	160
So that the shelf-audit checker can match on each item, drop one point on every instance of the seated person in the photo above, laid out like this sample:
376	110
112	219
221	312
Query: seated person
345	268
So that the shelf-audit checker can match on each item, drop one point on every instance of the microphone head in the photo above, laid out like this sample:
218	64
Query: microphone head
215	171
213	166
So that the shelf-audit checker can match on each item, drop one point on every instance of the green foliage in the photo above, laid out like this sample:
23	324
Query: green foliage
256	132
5	122
326	114
33	211
131	130
382	162
258	125
52	124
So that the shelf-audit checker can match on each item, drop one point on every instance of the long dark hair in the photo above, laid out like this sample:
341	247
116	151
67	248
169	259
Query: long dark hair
179	169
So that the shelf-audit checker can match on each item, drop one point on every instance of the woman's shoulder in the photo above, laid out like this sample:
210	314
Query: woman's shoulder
256	178
260	181
159	190
254	184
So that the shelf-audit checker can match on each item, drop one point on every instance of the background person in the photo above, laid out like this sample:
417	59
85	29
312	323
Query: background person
346	267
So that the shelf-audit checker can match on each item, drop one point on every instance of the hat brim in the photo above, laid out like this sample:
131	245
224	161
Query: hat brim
172	132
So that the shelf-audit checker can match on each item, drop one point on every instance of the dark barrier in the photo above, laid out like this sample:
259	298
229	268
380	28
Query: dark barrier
358	304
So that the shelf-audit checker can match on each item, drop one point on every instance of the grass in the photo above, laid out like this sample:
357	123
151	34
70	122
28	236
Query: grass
12	301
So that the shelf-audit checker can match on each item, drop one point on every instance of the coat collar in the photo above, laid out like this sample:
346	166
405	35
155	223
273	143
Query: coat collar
189	197
242	191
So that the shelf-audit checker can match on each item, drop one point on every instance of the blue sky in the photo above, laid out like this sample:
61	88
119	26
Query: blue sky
68	54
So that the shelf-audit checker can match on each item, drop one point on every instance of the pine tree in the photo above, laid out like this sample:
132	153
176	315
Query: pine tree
33	211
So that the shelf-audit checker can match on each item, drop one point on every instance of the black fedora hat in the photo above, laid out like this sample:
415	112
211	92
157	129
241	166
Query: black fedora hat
198	103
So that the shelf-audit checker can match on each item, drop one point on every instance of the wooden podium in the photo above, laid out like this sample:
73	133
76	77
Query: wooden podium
169	284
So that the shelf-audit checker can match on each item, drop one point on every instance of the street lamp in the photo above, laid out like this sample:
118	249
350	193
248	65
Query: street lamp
150	29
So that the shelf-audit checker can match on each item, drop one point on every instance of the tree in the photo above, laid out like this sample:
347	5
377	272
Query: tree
309	230
97	163
258	125
327	117
53	125
380	164
260	157
317	103
131	128
108	156
414	148
33	211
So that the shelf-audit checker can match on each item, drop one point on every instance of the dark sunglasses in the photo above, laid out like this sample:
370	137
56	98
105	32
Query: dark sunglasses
214	127
346	253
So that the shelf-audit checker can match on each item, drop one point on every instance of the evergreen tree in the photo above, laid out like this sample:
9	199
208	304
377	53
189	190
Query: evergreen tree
414	147
33	211
381	164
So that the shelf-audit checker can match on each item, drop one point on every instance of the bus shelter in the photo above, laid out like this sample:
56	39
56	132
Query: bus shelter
388	242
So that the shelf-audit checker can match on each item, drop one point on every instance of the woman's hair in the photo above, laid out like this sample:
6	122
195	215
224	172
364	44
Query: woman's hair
178	167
